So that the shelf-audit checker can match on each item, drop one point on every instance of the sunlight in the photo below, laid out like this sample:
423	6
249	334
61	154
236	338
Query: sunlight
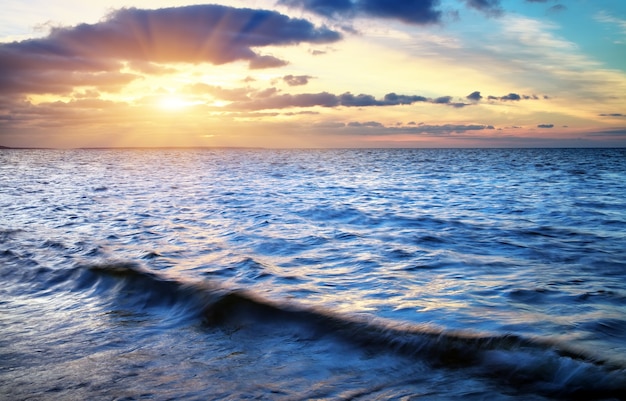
174	103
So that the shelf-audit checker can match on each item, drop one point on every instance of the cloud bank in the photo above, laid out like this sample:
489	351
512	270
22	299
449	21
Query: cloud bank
413	12
93	54
326	99
377	128
416	12
246	99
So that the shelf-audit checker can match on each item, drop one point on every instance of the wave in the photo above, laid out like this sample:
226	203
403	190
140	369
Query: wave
526	364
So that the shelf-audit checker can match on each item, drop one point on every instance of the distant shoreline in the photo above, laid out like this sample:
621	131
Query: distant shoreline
20	148
262	148
134	148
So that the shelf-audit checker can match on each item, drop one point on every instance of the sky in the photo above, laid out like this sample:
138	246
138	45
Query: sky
313	73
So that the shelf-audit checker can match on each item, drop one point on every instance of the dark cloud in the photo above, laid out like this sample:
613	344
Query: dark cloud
474	96
368	124
394	99
409	11
445	129
250	99
447	100
192	34
297	80
418	12
325	99
350	100
490	8
545	126
328	8
511	96
377	128
557	8
443	100
612	115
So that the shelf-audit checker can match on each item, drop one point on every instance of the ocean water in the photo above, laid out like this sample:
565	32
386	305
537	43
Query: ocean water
228	274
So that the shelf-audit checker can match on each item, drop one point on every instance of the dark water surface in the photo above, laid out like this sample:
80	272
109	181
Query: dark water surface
313	274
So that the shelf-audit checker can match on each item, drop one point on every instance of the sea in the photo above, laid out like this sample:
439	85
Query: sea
314	274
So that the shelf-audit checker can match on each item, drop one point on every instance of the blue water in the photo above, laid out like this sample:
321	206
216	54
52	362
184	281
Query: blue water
313	274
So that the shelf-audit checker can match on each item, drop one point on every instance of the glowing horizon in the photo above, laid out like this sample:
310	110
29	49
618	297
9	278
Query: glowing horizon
294	73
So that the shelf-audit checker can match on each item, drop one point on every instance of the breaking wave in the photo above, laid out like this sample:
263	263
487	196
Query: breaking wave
526	364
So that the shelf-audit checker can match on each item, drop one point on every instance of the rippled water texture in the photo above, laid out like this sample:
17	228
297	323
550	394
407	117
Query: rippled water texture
313	274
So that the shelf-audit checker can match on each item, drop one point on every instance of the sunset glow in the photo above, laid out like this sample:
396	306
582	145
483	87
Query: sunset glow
295	73
173	103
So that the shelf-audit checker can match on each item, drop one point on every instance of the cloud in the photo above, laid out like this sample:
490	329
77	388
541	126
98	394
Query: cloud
474	96
490	8
88	53
261	62
329	125
250	100
265	93
557	8
511	96
612	115
361	100
327	8
545	126
368	124
233	95
442	100
409	11
416	12
447	100
149	68
394	99
325	99
445	129
614	132
377	128
606	18
297	80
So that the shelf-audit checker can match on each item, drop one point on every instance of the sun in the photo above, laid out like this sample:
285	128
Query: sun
174	103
